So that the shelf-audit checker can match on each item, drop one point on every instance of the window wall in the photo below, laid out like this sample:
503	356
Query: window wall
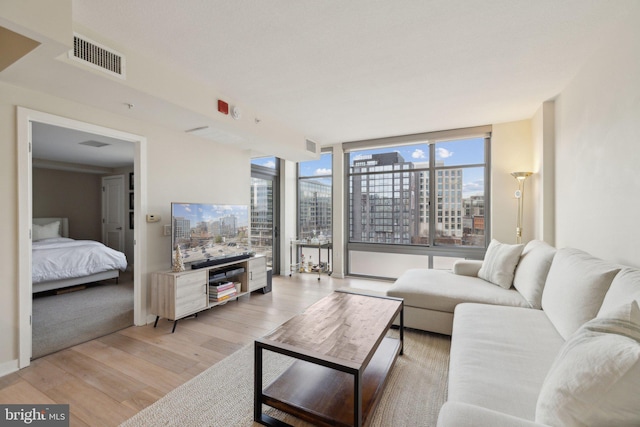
315	198
423	196
264	202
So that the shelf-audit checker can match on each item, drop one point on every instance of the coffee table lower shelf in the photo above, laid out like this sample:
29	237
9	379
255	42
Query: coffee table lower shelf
325	396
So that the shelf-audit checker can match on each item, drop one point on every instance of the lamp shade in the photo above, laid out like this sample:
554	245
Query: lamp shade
521	176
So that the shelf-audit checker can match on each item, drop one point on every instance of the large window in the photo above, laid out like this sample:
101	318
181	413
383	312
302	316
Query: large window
264	231
314	198
429	193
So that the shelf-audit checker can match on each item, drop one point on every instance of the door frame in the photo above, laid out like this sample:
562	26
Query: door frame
24	118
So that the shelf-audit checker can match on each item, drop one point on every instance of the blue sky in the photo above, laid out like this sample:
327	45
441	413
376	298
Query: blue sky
451	153
198	212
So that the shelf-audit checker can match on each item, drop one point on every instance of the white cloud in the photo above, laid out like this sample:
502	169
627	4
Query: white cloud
443	153
269	164
418	154
323	171
473	187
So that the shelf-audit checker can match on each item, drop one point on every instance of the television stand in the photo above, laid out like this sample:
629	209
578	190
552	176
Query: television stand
177	295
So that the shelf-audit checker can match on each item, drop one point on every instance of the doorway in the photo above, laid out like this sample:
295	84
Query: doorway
26	119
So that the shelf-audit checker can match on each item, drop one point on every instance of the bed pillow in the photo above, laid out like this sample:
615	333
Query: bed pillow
532	270
47	231
595	379
499	263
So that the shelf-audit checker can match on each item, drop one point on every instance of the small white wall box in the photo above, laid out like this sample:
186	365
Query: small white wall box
153	218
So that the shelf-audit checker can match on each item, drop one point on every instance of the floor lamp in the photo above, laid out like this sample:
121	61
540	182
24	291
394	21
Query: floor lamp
521	177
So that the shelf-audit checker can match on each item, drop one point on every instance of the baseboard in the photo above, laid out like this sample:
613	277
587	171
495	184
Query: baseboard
9	367
150	319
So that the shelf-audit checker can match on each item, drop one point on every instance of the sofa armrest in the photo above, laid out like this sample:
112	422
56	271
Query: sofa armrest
467	267
457	414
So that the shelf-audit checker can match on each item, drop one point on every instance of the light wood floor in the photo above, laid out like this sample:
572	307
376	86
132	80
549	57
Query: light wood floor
107	380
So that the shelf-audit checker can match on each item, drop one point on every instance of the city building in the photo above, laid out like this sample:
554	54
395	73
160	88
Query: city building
315	212
383	199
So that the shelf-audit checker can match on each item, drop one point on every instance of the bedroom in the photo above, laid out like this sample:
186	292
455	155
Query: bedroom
69	169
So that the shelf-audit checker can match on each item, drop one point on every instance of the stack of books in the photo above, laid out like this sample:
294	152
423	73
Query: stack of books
222	291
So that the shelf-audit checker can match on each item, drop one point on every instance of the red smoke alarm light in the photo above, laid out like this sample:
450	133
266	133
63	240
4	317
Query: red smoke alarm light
223	107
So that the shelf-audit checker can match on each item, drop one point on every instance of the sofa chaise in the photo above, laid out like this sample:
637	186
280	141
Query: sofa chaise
556	342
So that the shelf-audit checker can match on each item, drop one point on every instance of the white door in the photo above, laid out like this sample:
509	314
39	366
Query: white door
113	210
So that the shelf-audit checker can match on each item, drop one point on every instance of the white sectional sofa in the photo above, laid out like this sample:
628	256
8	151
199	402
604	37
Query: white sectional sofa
561	347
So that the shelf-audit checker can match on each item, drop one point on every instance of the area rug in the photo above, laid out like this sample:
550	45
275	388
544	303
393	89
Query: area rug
223	394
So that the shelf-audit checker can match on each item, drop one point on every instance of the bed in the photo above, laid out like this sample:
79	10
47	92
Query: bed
60	262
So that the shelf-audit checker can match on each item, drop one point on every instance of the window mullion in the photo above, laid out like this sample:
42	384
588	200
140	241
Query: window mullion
433	197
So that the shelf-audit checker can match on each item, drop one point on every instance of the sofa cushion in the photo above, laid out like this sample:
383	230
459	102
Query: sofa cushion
500	263
624	288
532	270
467	267
575	288
456	414
595	379
442	290
500	357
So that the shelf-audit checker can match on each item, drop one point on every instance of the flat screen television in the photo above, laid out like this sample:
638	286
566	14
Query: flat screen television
206	231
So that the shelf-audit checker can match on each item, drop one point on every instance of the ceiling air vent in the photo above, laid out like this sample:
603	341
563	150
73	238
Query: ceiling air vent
97	56
311	146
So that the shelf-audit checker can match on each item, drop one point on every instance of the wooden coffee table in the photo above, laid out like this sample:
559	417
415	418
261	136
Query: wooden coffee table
343	358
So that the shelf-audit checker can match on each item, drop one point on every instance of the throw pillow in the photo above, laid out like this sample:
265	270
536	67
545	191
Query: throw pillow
595	379
575	288
47	231
499	263
624	288
532	270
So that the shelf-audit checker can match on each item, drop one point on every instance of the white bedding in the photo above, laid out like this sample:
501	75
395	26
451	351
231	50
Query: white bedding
64	258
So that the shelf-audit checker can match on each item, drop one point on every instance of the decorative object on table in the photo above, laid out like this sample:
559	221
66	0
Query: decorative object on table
519	194
178	263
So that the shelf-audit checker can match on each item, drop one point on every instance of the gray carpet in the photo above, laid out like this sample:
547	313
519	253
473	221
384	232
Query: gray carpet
64	320
223	394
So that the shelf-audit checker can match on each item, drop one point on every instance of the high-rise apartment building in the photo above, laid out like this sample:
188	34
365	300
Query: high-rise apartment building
262	217
448	188
314	208
383	199
181	228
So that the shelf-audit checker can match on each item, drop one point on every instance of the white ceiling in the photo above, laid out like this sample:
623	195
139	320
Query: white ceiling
57	144
340	70
332	70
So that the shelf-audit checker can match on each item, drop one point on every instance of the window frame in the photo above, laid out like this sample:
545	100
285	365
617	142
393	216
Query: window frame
431	138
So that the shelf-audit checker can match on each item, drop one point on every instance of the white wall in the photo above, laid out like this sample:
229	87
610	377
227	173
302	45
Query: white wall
598	151
511	151
338	211
180	167
288	212
543	180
